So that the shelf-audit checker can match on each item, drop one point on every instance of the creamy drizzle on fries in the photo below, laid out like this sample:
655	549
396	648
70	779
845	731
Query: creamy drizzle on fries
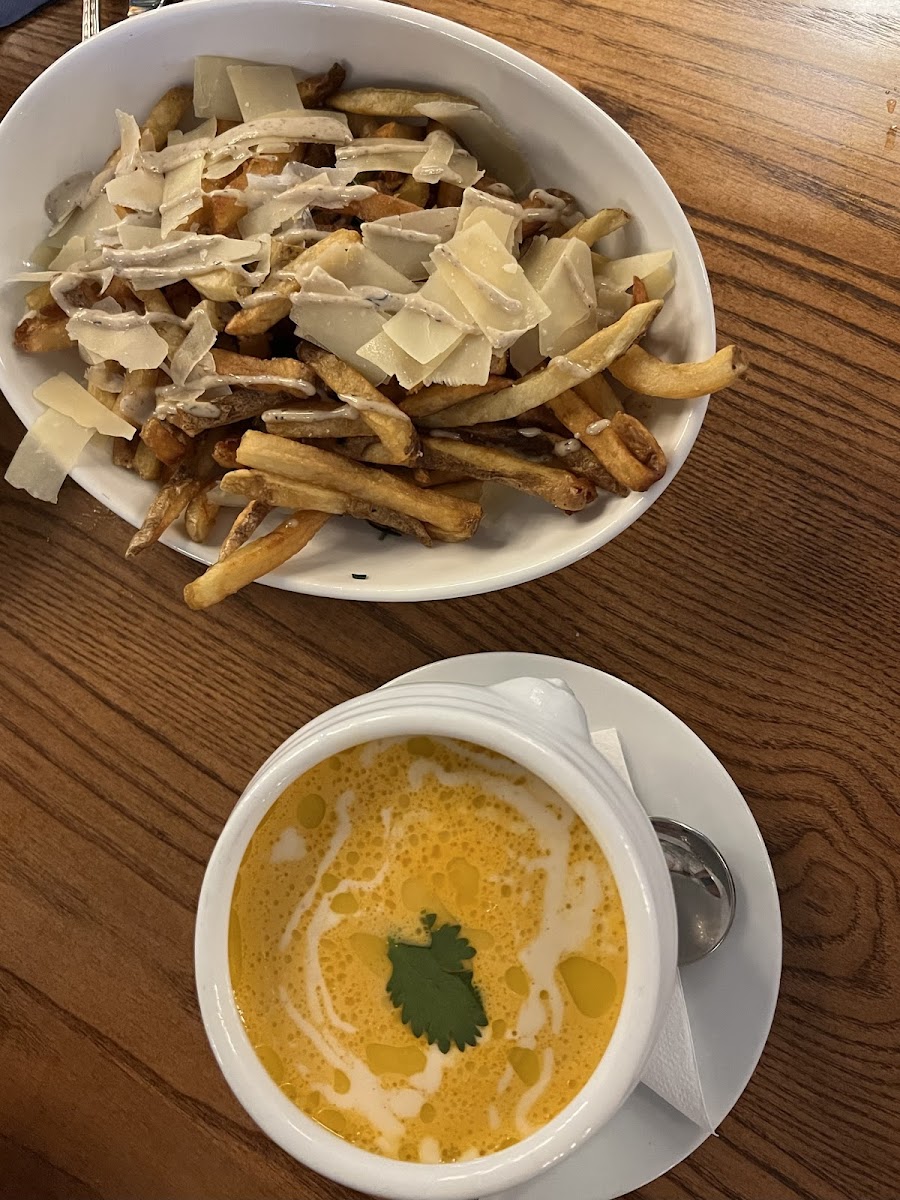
283	288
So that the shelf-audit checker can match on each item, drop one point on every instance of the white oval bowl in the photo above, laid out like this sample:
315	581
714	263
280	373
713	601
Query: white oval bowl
65	123
541	726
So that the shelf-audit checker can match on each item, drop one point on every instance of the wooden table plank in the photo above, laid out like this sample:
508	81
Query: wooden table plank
758	600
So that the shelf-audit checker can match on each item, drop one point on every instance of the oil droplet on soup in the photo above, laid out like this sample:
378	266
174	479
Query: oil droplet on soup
392	831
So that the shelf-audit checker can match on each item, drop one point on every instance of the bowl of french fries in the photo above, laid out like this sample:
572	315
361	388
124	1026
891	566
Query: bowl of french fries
348	300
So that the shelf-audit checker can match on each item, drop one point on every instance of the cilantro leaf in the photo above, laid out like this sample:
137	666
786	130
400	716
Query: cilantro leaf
433	989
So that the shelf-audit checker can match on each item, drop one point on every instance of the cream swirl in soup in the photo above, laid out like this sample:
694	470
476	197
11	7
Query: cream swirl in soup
418	886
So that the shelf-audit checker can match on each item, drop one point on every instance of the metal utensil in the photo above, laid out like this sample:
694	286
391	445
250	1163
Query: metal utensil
703	885
90	18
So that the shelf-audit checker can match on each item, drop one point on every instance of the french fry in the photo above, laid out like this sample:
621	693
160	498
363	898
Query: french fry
258	318
221	284
138	393
373	208
632	457
639	293
146	464
395	129
559	487
255	345
305	426
316	90
600	396
224	452
39	298
169	503
413	191
561	373
464	489
123	452
200	515
291	375
439	396
244	526
591	229
650	376
389	102
581	461
254	559
224	212
241	405
166	113
312	465
169	444
448	195
391	425
280	492
42	332
154	301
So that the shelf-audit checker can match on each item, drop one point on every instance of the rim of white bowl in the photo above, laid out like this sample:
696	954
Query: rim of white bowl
529	570
298	1134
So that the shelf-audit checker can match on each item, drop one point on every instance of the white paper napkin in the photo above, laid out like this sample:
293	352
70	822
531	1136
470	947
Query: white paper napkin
672	1071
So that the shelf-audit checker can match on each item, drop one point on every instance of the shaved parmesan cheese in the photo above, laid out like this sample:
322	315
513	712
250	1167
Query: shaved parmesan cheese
213	92
470	362
118	337
504	216
620	272
72	252
355	265
391	360
560	272
65	395
401	154
406	241
260	91
182	197
611	305
490	283
432	322
139	190
180	257
87	223
129	143
200	340
137	237
493	146
525	354
228	164
432	166
270	216
341	319
46	454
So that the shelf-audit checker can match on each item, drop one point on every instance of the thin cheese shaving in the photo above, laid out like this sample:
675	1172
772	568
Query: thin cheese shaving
46	454
432	322
493	146
65	395
139	190
560	272
200	340
136	346
400	154
260	91
213	93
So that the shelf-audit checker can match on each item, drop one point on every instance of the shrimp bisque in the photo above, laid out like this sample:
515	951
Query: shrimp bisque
427	948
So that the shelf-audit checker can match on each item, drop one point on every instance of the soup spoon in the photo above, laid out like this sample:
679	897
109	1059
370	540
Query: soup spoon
703	886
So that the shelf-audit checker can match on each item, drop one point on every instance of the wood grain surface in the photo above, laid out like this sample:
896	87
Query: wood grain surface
758	600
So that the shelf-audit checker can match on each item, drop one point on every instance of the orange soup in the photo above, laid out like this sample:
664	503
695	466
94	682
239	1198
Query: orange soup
427	948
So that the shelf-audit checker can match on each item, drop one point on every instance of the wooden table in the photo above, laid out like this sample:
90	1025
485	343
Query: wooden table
758	600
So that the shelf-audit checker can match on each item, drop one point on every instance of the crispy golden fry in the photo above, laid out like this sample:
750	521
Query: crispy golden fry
123	452
255	345
307	426
41	332
600	396
391	425
285	372
316	90
591	229
244	526
221	284
154	301
362	125
389	102
241	405
39	298
581	461
396	129
559	487
464	489
650	376
448	195
312	465
258	318
439	396
254	559
146	464
200	515
373	208
561	373
170	445
639	294
224	452
623	446
166	113
413	191
280	492
169	503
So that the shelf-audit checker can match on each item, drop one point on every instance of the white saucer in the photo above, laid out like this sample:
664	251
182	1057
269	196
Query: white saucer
731	995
